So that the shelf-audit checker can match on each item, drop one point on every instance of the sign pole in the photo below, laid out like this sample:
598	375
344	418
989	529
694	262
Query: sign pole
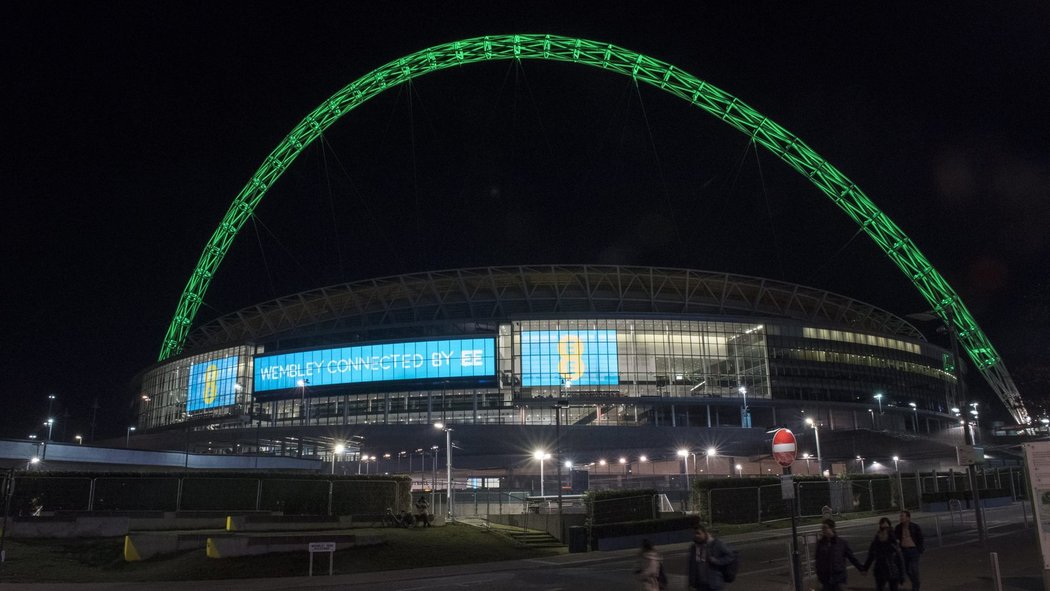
796	564
784	449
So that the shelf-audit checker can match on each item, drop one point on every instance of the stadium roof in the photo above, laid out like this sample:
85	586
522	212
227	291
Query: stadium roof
486	294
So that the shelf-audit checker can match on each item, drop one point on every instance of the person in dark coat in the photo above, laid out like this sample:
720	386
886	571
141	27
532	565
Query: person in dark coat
832	554
706	557
909	536
886	554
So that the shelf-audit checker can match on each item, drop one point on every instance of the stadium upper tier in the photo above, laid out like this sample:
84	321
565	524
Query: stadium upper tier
490	294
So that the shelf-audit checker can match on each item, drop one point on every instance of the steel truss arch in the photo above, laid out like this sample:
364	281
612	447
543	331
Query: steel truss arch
844	193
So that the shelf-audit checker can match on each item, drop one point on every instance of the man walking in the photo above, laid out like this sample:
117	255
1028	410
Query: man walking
832	554
706	559
909	534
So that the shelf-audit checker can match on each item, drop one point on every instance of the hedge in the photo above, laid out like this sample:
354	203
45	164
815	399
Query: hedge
303	494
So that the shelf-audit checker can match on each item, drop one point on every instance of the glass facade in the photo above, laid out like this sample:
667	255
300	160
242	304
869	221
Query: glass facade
213	384
614	371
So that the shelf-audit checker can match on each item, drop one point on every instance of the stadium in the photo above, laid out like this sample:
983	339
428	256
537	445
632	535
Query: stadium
620	369
620	364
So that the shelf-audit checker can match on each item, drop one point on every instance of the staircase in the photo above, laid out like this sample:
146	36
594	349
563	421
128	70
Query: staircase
534	539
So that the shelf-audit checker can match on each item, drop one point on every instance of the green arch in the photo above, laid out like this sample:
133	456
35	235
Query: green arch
785	145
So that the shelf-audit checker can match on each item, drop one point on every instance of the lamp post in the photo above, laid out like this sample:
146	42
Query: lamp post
915	416
78	439
684	454
448	466
739	471
861	460
900	484
127	440
871	412
710	452
816	435
976	429
541	455
339	449
50	410
50	423
304	411
878	397
745	412
805	456
560	404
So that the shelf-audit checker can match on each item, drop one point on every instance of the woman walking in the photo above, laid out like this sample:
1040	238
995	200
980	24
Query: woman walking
649	567
886	554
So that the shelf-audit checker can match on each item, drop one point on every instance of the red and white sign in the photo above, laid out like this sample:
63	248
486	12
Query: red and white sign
784	447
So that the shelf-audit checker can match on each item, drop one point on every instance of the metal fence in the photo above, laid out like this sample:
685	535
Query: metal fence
756	504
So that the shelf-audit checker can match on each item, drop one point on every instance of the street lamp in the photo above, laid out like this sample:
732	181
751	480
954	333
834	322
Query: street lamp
684	454
50	424
50	408
745	412
816	434
541	455
710	452
878	397
872	413
78	439
339	449
900	484
558	405
127	441
915	415
861	460
304	411
739	471
805	456
448	466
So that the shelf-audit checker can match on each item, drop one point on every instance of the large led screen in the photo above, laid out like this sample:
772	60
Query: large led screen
212	384
569	357
423	360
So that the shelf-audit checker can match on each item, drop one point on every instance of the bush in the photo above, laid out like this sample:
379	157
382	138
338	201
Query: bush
302	494
616	506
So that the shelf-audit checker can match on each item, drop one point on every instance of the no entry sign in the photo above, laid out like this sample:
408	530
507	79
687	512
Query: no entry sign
784	447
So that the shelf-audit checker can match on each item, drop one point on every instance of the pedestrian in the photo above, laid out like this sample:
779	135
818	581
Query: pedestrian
886	555
423	511
909	536
707	557
832	554
650	566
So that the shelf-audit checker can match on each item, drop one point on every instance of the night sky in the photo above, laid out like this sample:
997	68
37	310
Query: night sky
128	128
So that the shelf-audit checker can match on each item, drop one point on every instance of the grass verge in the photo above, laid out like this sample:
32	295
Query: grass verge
100	560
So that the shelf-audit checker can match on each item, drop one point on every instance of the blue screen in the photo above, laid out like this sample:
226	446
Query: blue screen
579	357
212	384
421	360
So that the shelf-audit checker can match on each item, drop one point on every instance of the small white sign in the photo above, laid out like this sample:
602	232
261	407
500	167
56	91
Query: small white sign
322	546
969	455
1037	458
787	487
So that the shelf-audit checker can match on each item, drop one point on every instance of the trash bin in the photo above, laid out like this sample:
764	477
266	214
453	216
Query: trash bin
577	539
